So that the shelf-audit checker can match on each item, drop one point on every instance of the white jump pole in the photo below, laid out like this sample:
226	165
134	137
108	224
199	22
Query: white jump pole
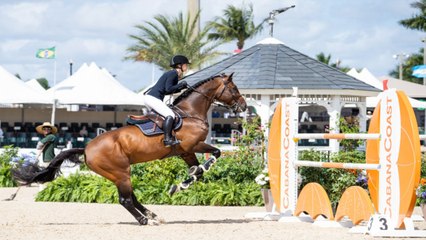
363	136
362	166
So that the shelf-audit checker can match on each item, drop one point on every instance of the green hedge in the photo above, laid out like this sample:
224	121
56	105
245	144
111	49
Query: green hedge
230	182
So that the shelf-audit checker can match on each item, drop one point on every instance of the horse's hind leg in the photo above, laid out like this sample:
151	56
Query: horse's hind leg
125	193
145	211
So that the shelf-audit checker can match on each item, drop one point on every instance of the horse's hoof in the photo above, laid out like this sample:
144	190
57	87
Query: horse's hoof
156	222
143	221
150	215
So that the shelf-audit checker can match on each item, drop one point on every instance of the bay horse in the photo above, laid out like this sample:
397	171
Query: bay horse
112	153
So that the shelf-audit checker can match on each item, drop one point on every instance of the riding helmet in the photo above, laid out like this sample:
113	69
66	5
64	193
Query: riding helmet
178	59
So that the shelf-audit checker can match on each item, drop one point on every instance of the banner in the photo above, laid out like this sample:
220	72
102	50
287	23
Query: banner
46	53
419	71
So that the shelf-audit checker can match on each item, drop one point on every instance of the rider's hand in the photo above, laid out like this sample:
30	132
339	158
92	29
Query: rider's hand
182	85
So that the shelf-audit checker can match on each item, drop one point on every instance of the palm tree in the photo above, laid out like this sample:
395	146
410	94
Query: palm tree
417	22
236	24
413	60
326	60
157	42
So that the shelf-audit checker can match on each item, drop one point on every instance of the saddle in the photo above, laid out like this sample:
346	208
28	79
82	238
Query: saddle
151	124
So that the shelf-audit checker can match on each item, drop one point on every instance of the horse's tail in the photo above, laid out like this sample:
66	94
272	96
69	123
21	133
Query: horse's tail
33	173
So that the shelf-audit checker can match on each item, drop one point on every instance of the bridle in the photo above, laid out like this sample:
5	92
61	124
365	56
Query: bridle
211	99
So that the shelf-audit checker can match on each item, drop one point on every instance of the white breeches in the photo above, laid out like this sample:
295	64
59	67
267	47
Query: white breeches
158	105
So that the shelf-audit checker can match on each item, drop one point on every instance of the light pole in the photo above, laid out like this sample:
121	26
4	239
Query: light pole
272	15
71	67
424	83
424	58
400	57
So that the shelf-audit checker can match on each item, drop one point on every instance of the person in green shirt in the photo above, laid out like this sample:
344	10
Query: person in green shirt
47	144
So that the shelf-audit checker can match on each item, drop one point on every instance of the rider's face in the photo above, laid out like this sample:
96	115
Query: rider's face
184	67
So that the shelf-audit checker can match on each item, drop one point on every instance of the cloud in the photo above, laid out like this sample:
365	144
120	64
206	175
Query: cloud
22	18
359	34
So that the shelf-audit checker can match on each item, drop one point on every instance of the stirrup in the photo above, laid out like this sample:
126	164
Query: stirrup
171	142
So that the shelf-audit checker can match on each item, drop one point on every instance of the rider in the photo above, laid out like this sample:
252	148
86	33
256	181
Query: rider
167	84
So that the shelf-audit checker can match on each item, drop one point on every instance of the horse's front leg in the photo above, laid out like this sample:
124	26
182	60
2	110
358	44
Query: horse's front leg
196	170
206	148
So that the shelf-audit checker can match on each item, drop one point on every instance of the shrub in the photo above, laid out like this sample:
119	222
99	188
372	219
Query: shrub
229	183
8	154
334	181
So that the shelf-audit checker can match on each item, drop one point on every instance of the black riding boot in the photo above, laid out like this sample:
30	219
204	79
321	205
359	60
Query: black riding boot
167	128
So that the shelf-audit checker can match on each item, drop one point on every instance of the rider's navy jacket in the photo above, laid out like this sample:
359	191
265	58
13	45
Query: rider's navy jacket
167	84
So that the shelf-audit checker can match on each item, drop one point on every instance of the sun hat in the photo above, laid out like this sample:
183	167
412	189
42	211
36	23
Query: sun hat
39	128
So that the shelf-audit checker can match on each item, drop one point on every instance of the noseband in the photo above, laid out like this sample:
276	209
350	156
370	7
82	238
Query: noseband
234	106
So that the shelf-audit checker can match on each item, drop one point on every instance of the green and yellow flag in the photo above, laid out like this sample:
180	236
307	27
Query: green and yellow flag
47	53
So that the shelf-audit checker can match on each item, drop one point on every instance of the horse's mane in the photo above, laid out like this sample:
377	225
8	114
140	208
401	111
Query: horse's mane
191	89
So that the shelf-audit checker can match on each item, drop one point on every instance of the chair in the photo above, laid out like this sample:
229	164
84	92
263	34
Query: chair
61	142
217	128
63	126
34	138
95	125
17	126
74	127
10	138
226	128
81	142
109	125
92	135
28	127
4	125
21	140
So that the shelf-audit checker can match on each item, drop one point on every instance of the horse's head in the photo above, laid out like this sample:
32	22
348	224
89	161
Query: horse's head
229	94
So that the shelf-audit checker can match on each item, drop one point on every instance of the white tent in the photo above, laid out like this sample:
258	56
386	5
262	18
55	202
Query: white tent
34	84
92	85
367	77
13	90
414	90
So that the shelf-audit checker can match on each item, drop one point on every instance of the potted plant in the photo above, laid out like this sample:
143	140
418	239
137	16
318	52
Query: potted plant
263	180
421	196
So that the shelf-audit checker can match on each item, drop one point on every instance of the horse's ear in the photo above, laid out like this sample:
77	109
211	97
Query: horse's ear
230	77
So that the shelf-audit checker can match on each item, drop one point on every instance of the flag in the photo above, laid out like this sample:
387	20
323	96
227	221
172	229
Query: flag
419	71
47	53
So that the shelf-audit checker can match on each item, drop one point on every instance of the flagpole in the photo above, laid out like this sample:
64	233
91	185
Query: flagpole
54	94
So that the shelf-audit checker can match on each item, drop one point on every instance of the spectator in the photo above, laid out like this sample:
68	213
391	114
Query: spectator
47	144
83	132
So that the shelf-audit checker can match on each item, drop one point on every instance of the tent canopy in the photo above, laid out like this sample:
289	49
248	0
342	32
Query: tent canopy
92	85
14	90
34	84
367	77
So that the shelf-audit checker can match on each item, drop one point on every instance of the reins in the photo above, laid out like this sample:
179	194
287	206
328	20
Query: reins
211	99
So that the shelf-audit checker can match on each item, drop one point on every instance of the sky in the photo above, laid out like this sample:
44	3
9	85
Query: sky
361	33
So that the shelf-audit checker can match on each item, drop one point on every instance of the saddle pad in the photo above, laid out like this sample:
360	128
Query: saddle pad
149	128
